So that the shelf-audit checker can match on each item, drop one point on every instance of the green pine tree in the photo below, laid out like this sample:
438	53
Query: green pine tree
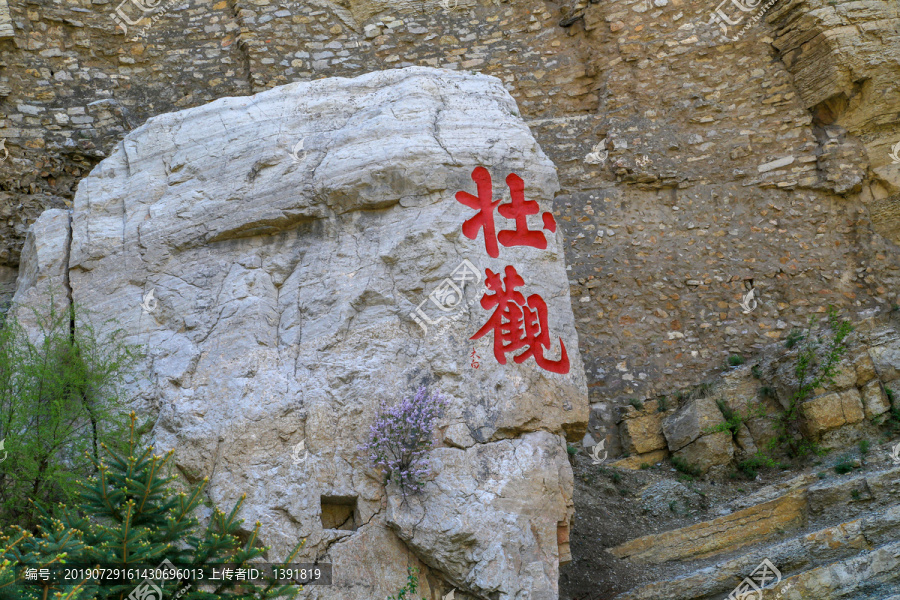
23	550
129	517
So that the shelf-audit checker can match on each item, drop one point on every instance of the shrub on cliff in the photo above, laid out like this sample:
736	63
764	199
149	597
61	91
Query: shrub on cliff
58	398
401	437
128	518
411	587
816	366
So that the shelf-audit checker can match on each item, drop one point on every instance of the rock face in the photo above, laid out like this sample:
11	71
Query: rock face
847	410
43	275
837	53
692	421
741	528
480	490
690	148
288	238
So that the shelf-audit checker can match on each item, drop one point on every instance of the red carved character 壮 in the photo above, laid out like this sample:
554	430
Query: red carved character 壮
517	209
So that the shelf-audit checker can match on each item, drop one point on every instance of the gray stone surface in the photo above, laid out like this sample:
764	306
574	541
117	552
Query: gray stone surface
42	276
6	26
690	422
475	530
658	497
887	361
708	451
874	399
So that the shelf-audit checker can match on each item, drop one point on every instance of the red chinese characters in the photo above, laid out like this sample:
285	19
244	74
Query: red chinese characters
517	209
518	322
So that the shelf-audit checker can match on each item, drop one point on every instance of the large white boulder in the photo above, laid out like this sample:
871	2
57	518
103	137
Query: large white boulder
287	238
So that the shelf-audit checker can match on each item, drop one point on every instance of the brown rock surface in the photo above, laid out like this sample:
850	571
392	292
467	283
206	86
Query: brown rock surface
708	451
844	58
642	434
636	460
718	535
874	399
832	410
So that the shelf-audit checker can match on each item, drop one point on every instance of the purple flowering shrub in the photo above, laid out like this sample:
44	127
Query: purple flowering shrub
402	436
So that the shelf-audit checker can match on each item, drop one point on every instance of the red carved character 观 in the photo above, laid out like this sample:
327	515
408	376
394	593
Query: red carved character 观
518	323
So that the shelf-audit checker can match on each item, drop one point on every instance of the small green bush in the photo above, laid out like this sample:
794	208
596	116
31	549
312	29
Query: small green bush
735	360
750	467
636	403
734	419
645	466
662	404
864	446
813	369
793	338
572	450
844	465
892	420
411	587
59	398
685	467
756	371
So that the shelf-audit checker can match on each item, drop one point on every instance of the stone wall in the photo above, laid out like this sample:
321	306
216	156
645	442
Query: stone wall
691	167
6	28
